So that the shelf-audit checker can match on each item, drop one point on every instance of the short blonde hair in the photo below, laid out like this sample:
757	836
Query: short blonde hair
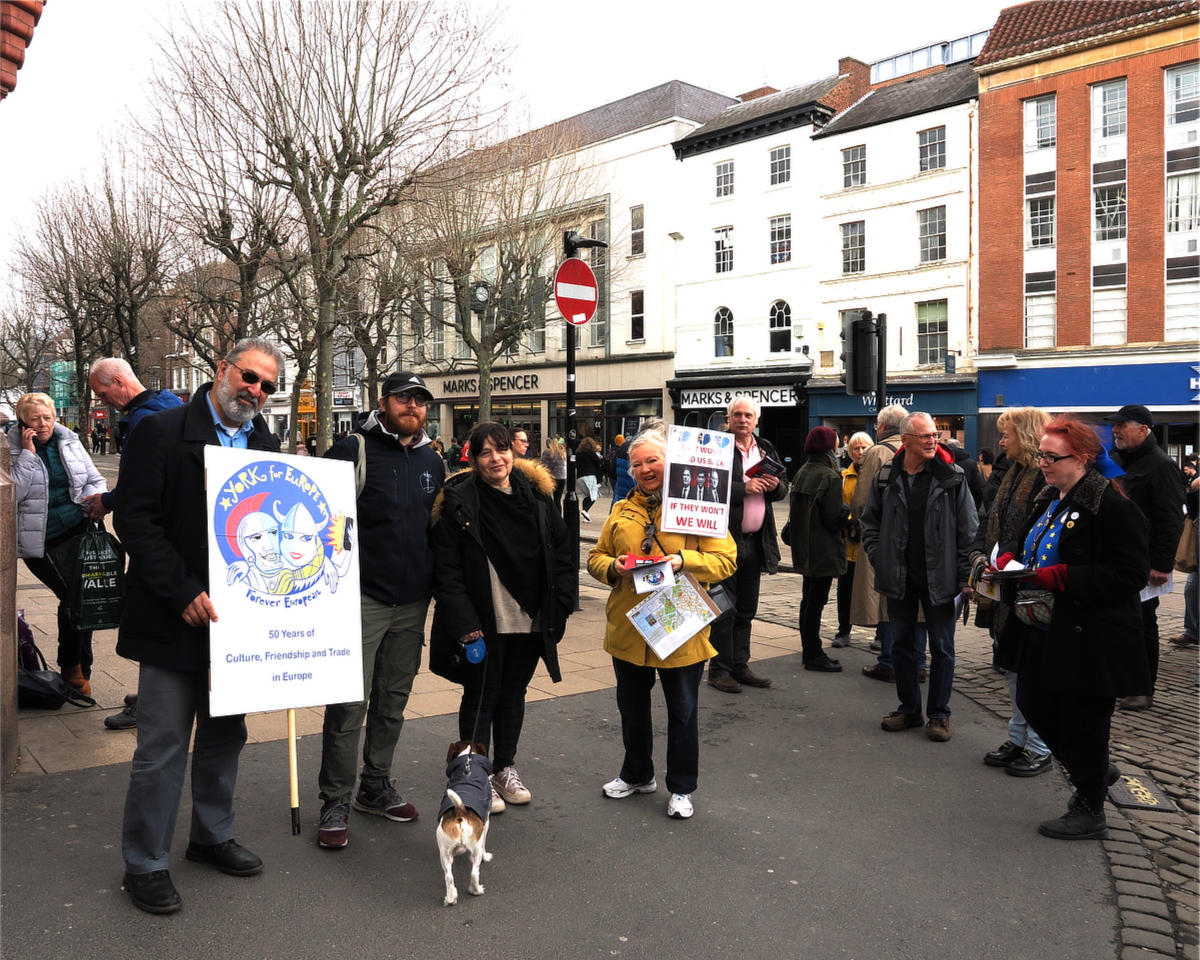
860	437
34	400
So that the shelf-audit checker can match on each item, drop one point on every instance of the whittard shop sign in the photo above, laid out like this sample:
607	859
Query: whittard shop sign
766	396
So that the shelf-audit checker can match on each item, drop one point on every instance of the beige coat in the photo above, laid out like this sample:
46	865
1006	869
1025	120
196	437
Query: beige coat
867	607
708	559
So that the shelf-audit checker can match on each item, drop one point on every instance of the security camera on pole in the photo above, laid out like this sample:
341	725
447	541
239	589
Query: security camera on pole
577	295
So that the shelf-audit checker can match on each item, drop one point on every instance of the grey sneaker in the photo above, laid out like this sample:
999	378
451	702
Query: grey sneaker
841	640
334	830
383	800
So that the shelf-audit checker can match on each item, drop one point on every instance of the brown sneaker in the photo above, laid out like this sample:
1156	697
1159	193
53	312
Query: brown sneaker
334	830
938	729
748	678
898	720
723	682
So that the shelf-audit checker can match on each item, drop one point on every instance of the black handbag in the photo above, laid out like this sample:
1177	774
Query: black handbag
46	689
722	599
92	565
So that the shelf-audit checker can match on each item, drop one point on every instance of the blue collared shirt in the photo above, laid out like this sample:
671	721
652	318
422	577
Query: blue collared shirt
238	438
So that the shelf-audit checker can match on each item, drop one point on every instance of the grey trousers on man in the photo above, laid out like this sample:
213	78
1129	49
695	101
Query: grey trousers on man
168	702
392	638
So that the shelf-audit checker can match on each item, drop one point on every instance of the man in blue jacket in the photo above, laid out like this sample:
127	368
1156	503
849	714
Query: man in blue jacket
403	474
113	382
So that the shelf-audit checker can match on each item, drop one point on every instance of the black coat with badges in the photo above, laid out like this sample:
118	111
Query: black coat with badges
1094	644
462	582
162	521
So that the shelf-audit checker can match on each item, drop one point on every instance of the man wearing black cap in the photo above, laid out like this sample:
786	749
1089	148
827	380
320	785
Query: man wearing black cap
1152	481
403	474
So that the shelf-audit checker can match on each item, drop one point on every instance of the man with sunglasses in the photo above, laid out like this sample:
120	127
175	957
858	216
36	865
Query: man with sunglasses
403	476
162	520
917	530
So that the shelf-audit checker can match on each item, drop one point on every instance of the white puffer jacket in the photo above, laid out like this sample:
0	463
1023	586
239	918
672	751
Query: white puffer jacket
32	481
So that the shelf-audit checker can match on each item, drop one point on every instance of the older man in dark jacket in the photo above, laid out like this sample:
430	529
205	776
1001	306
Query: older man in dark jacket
917	530
1153	482
752	526
163	523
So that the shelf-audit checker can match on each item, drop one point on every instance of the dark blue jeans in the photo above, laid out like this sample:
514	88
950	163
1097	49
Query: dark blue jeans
939	626
681	687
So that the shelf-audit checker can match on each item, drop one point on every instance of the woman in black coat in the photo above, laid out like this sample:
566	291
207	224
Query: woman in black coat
502	572
1085	543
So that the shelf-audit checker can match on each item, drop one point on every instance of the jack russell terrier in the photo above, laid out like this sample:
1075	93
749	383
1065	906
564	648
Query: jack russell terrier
463	817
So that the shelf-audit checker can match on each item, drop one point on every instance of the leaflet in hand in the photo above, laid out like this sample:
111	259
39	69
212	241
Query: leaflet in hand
653	576
767	466
672	615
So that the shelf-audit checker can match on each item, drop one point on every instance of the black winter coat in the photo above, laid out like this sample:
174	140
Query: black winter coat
1094	644
819	518
462	584
1155	484
737	497
162	521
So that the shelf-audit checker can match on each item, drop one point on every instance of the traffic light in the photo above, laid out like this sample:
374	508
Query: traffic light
859	352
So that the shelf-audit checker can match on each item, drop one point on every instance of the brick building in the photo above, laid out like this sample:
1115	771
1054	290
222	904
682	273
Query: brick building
1089	215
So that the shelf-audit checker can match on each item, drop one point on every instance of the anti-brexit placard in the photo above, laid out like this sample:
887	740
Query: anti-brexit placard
283	577
696	486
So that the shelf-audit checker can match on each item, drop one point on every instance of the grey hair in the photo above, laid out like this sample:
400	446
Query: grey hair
261	345
108	367
655	433
754	405
860	437
907	421
891	416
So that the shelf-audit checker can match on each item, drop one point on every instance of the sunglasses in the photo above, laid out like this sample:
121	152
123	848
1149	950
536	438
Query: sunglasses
648	541
250	378
416	399
1047	457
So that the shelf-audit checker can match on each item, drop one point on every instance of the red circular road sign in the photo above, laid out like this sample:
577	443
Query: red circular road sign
575	291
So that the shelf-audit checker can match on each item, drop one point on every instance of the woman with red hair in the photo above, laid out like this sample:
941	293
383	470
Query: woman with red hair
1075	636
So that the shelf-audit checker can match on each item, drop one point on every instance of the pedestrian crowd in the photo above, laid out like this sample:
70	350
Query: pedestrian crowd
1060	547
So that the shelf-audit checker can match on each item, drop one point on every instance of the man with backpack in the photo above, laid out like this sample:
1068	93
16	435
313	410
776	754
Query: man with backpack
397	475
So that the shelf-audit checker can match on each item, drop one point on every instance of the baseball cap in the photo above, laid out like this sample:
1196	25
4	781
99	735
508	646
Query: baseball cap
1132	411
404	381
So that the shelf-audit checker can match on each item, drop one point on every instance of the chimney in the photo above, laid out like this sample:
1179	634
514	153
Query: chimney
858	77
760	92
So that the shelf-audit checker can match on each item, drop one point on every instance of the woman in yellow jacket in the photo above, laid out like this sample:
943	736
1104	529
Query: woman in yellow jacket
631	531
856	447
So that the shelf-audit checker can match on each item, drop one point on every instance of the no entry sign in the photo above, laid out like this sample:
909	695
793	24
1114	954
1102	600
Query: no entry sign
575	291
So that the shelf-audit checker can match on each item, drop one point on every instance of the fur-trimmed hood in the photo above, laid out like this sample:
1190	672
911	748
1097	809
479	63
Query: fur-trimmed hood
1085	494
538	476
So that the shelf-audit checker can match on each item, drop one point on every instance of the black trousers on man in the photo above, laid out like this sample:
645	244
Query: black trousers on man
731	636
1150	638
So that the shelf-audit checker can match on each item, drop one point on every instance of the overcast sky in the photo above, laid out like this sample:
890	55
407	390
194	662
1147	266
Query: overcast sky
88	64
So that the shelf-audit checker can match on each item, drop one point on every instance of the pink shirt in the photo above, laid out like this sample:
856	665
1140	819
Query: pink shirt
754	505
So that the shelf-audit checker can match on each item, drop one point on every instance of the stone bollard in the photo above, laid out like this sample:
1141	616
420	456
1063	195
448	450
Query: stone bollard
9	744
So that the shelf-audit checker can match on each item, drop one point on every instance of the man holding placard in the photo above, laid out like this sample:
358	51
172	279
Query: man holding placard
163	523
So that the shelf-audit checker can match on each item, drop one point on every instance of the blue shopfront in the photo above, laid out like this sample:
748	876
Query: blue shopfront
953	404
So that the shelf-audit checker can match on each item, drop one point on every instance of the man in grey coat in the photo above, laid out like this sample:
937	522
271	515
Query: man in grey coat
917	530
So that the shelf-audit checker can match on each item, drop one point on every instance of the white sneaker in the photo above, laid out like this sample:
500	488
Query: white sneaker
618	788
508	784
498	804
680	806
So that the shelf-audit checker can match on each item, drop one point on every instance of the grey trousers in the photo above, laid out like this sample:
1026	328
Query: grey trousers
168	702
392	638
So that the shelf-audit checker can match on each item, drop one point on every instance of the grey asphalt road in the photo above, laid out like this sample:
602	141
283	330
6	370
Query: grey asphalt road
817	835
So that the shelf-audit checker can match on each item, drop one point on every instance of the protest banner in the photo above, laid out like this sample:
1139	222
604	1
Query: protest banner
283	577
698	474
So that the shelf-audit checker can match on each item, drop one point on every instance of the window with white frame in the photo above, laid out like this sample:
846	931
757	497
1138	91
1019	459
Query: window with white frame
781	165
781	327
1183	203
598	259
1040	222
535	340
1181	314
723	332
637	231
854	246
1109	315
1183	94
637	315
781	239
932	328
725	178
931	148
932	233
723	249
462	350
1041	123
854	166
1040	320
1110	211
1110	108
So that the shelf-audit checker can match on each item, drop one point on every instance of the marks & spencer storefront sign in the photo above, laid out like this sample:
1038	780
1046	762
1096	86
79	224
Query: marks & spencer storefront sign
782	396
501	383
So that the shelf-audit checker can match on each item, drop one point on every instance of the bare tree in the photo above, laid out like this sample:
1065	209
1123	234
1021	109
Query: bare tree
339	106
27	343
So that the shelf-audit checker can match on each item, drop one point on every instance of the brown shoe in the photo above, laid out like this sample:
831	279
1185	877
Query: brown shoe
1136	703
724	682
74	676
879	672
1182	641
938	729
748	678
897	720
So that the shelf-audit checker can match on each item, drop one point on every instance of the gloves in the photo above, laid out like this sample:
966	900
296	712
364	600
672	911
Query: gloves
1050	578
1004	560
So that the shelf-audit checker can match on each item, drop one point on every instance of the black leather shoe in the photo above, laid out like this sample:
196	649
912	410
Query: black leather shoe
823	664
1003	755
125	720
229	857
153	892
1029	765
723	682
748	678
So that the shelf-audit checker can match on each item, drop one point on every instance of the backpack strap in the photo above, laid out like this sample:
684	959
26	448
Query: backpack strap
360	466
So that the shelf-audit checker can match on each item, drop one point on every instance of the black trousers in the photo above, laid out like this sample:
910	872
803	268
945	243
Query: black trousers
845	590
813	597
495	692
1150	638
1074	727
74	646
731	637
681	688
